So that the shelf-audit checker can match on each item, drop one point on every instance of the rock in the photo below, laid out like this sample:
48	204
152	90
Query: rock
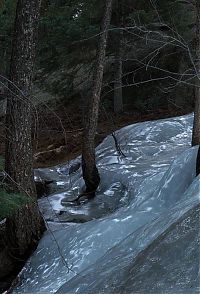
42	187
74	168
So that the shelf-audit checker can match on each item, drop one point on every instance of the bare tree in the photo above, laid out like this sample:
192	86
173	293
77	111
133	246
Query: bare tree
90	171
118	70
24	227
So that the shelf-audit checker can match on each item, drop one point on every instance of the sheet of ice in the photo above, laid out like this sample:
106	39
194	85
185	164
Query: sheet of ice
141	197
149	148
158	258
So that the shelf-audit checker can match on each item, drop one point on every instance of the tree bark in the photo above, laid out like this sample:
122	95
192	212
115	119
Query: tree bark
90	171
196	124
198	163
25	226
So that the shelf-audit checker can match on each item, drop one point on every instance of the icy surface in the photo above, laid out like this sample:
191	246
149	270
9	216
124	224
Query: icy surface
141	232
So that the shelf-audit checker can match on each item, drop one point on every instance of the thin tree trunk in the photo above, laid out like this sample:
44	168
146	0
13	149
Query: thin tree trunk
196	124
90	171
118	98
198	163
25	226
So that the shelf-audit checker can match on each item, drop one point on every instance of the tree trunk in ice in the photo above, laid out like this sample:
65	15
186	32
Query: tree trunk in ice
90	171
198	163
25	226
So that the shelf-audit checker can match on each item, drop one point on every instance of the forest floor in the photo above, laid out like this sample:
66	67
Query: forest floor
58	130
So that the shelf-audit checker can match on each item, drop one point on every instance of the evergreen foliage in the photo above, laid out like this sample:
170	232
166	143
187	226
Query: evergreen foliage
65	24
9	202
7	17
68	37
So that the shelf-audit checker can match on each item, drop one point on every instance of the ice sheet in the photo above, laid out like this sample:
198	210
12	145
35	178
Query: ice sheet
119	242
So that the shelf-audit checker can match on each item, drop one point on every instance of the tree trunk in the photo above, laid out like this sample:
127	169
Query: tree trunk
24	227
198	163
90	171
196	124
118	98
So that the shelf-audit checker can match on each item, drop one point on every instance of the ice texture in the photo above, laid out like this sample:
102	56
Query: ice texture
140	234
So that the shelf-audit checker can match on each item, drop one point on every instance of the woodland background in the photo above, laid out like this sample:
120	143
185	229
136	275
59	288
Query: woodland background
156	63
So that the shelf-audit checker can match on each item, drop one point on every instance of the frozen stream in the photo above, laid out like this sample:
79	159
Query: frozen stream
141	232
